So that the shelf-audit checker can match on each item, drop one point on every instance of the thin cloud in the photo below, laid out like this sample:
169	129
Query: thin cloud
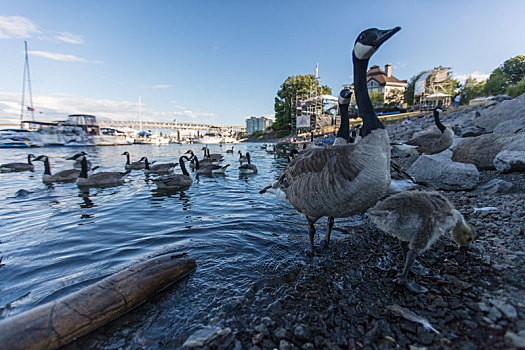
70	38
160	86
16	27
62	57
476	75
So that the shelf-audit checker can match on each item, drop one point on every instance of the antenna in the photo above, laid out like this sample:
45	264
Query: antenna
140	116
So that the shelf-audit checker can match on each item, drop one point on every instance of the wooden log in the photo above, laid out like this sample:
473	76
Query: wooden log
58	322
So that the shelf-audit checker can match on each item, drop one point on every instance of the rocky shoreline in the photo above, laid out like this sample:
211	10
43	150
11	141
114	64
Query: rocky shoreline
345	297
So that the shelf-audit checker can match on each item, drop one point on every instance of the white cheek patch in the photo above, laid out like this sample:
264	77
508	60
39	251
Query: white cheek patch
363	52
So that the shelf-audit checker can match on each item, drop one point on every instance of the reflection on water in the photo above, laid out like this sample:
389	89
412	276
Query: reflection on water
56	239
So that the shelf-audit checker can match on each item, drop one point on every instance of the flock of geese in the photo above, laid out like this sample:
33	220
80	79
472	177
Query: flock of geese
353	176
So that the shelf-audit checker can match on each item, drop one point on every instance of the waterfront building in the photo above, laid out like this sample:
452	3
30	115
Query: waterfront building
258	124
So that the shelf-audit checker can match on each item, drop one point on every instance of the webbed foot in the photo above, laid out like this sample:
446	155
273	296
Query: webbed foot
410	285
418	269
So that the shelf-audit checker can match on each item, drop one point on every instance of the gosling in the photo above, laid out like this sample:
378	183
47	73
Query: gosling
418	219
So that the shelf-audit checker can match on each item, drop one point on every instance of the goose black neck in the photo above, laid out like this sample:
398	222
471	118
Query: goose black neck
440	126
248	158
196	162
366	110
146	164
127	158
47	166
84	168
183	166
344	127
29	158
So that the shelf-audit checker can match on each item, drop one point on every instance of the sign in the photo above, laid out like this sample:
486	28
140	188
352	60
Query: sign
330	101
419	87
303	121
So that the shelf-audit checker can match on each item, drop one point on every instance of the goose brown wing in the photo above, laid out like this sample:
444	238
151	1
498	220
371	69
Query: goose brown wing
67	174
424	139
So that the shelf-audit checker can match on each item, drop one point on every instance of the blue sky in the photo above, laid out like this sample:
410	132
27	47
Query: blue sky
222	61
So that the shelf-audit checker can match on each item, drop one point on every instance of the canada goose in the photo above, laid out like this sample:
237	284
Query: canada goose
215	156
135	165
417	219
431	142
270	148
291	155
164	168
102	179
400	179
76	157
17	167
203	162
242	159
347	179
229	150
209	169
69	175
175	181
248	168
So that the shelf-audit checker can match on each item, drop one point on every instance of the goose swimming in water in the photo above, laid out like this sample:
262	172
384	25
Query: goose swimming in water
76	158
214	156
18	167
208	169
139	165
345	179
248	168
202	162
229	150
242	159
431	142
175	181
69	175
102	179
417	219
164	168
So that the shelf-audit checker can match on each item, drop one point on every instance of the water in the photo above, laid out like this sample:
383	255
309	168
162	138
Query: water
55	239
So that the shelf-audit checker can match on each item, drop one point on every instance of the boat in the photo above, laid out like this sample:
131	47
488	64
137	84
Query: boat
57	133
214	138
99	136
147	138
19	138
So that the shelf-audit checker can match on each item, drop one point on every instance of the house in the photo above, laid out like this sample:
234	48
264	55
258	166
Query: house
392	88
383	81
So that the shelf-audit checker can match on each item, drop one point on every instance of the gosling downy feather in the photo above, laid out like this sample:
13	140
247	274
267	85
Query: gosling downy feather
429	143
418	219
102	179
248	168
342	180
18	167
175	181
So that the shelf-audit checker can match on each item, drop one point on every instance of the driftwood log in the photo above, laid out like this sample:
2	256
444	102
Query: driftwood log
58	322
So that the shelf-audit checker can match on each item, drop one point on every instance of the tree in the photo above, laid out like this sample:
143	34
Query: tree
497	82
394	98
514	69
472	89
293	86
377	98
518	89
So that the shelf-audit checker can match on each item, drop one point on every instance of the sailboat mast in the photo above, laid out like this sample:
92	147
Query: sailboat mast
26	72
140	115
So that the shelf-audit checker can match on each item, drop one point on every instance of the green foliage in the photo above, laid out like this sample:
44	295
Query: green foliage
282	133
514	69
518	89
409	92
257	133
377	98
394	98
293	86
497	83
472	89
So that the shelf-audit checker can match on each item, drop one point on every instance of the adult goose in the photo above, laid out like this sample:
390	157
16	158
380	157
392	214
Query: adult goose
133	165
215	156
18	167
69	175
202	162
102	179
209	169
417	219
248	168
431	142
76	158
345	179
229	150
163	168
175	181
242	159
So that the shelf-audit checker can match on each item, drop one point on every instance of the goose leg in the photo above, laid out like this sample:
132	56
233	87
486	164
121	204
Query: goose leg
326	240
311	233
403	279
416	268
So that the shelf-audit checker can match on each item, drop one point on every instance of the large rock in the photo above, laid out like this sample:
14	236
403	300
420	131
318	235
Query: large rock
501	112
497	186
512	156
480	150
511	127
440	172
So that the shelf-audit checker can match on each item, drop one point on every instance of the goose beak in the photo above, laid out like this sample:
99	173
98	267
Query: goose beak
384	35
